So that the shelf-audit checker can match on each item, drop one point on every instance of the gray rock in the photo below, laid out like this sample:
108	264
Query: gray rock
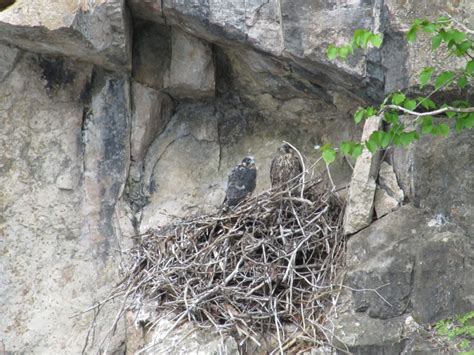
360	203
50	270
106	138
443	284
149	10
151	54
192	67
277	27
408	261
97	32
361	335
384	203
388	181
186	339
8	56
434	175
151	113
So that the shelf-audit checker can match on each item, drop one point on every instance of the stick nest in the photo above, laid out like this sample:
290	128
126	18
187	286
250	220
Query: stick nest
274	259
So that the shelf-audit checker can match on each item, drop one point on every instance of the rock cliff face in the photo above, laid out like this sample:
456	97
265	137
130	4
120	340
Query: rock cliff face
117	116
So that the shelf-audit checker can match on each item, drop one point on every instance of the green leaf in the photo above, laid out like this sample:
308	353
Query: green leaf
370	111
410	104
376	40
406	138
443	20
462	82
458	36
428	27
398	98
443	79
357	37
329	155
365	39
469	120
427	125
391	117
462	48
344	51
411	35
436	42
470	67
450	114
441	130
426	103
371	146
385	140
359	115
459	124
325	147
425	76
332	52
357	151
376	137
346	147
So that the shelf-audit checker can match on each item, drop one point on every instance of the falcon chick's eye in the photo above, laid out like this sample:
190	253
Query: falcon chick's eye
247	161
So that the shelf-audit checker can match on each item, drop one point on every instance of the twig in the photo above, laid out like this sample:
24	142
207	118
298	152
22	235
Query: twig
429	113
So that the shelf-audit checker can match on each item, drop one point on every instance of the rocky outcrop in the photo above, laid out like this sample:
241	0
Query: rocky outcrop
62	169
433	174
97	31
405	265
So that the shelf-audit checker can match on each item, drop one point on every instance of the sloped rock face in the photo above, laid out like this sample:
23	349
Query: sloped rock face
405	264
60	182
433	174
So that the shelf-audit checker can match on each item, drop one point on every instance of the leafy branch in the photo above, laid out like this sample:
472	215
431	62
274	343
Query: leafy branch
445	35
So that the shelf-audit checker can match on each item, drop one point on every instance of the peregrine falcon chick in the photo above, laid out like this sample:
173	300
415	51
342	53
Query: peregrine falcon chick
285	166
241	183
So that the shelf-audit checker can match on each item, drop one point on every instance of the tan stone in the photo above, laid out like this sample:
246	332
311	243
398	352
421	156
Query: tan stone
388	181
94	31
51	267
359	210
384	203
192	67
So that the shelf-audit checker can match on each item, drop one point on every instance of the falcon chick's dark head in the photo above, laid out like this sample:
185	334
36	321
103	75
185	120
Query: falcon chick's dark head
248	162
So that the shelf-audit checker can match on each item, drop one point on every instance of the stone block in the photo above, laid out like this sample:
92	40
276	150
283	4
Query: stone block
360	204
96	32
384	203
416	266
192	67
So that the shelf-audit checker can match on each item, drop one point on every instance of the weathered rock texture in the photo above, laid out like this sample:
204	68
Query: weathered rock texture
107	129
404	264
60	178
360	201
96	31
433	174
388	195
191	71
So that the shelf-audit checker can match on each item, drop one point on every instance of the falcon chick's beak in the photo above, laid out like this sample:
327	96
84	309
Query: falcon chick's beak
252	162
